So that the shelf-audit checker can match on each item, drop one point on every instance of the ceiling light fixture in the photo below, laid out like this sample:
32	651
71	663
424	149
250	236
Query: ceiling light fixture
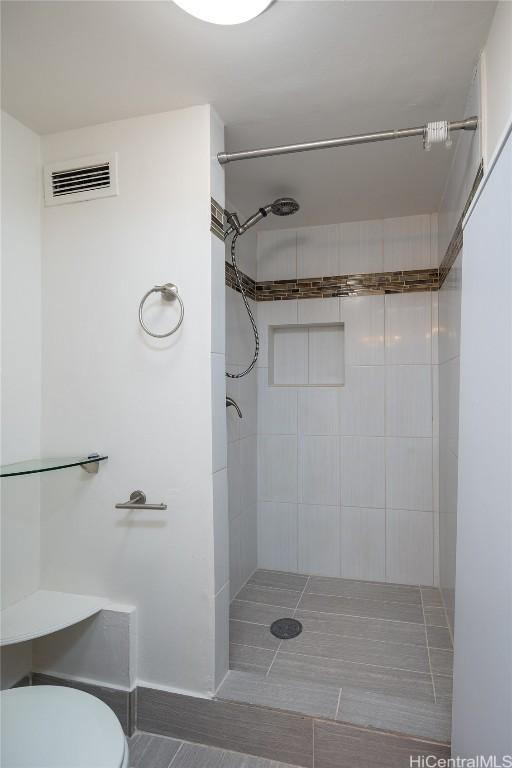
224	11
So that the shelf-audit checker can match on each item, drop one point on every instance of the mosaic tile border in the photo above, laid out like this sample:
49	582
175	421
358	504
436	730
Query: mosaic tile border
455	246
404	281
248	283
217	219
368	284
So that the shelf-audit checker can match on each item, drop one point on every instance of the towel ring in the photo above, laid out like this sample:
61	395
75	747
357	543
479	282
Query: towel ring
169	292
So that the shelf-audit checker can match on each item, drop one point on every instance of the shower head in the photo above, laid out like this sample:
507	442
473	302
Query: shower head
283	206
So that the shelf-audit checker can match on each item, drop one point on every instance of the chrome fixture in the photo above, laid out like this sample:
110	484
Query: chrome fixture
92	466
138	501
230	401
283	206
470	124
169	292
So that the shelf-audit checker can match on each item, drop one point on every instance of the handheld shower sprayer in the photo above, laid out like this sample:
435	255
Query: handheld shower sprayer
283	206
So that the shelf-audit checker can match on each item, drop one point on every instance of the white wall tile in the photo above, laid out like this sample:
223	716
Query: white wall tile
246	248
222	600
235	556
449	313
232	419
236	341
435	327
319	540
289	356
407	243
219	297
449	375
361	247
272	313
363	472
363	543
326	358
249	541
362	400
248	471
409	473
319	411
409	546
364	330
318	251
319	310
408	328
277	468
248	402
219	437
277	536
277	407
320	470
409	400
234	480
220	528
277	254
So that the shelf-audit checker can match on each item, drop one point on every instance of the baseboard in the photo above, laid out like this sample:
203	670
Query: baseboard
276	735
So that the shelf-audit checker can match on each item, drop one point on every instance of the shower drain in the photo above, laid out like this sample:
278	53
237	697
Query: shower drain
285	629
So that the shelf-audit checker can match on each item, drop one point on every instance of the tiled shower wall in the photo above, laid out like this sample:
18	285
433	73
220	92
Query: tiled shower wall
345	474
241	433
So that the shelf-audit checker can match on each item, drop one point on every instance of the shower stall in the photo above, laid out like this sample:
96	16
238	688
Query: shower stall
333	472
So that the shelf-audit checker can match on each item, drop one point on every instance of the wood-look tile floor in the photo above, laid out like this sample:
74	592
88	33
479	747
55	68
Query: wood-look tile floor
149	751
370	653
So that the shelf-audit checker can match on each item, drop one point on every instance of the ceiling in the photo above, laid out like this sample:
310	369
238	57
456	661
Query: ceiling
302	70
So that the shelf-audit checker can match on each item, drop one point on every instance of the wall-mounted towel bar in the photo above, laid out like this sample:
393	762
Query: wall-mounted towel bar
138	501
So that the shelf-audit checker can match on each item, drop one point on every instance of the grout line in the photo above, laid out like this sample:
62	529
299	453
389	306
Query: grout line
428	652
344	635
313	740
301	595
338	705
275	657
356	597
359	663
331	613
176	755
341	596
275	589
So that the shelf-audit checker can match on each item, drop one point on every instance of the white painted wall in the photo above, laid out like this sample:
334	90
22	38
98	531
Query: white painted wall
345	474
482	703
147	403
465	163
496	62
242	440
21	371
219	429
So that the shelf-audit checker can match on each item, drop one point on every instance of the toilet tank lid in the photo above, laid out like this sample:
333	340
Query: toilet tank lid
58	727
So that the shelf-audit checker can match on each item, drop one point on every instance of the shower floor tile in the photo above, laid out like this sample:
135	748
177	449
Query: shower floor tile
382	650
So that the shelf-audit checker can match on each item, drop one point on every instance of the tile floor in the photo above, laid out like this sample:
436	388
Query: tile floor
370	653
148	751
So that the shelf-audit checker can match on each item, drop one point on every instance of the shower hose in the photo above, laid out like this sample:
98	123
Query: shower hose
251	316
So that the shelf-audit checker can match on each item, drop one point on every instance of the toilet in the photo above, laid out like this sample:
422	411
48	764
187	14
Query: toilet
48	726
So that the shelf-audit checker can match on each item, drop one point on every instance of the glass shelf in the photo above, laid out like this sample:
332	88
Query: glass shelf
89	463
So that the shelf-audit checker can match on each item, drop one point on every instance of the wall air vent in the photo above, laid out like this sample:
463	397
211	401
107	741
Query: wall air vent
87	178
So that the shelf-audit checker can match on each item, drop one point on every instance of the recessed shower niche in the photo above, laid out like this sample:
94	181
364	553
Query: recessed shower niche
307	355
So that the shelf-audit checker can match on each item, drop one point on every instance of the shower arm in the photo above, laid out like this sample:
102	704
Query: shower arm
470	124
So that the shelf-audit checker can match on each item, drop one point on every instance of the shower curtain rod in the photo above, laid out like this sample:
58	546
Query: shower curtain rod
470	124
